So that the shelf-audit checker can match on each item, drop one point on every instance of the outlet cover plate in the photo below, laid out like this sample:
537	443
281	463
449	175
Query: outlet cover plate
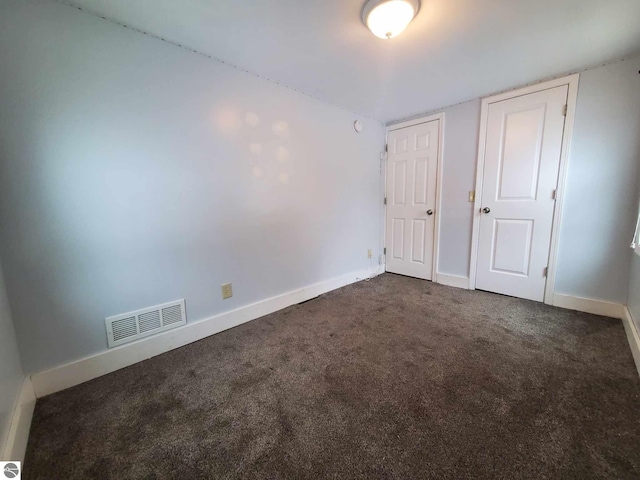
227	291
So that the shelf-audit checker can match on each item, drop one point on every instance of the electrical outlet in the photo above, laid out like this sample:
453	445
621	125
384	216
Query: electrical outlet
227	291
369	254
472	196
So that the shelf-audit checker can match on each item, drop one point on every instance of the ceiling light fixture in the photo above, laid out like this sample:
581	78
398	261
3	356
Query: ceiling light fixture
388	18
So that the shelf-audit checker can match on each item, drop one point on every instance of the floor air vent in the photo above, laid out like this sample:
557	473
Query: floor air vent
142	323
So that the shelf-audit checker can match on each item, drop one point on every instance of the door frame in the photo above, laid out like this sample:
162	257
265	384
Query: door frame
572	82
436	230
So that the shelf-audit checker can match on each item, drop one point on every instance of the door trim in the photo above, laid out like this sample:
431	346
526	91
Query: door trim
436	230
572	96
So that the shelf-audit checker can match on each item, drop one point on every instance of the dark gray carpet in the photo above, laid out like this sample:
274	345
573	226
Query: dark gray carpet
392	378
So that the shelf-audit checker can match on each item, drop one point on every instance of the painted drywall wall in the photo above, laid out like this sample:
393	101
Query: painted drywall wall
462	126
11	376
453	50
601	190
633	295
134	172
633	301
600	199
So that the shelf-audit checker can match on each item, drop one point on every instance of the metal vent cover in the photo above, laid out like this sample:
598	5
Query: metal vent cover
131	326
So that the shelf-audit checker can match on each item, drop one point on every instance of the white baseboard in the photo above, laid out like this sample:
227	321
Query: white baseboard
588	305
632	336
452	280
88	368
16	445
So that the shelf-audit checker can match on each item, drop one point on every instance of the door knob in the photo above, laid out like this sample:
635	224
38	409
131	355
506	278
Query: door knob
429	212
486	209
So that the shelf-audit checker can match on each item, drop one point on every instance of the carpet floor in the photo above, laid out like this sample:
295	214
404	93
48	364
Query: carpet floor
392	378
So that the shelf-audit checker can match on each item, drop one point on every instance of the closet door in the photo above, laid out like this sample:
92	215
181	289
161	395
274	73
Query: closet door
411	199
521	163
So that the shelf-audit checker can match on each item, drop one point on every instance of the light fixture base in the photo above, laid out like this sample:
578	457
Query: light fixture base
371	4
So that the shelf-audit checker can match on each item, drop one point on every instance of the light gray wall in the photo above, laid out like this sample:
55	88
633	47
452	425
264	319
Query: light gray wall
601	194
11	376
634	290
462	125
633	296
600	201
127	179
131	175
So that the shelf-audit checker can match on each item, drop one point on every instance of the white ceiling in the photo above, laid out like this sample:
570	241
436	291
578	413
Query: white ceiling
453	51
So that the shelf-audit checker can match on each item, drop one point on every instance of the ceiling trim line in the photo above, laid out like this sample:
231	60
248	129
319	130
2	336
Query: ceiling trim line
391	123
216	59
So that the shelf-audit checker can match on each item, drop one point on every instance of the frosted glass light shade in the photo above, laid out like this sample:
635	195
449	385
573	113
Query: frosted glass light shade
388	18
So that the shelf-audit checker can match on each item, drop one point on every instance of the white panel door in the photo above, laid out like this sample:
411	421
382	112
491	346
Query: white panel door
411	199
522	160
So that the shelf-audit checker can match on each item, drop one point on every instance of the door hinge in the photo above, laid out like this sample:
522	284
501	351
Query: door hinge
553	194
384	250
545	271
385	200
386	147
564	110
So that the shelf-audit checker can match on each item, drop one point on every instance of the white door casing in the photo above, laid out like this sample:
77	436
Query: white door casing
522	151
412	170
